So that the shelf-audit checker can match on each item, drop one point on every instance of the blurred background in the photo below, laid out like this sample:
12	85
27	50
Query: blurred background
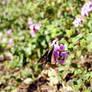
50	19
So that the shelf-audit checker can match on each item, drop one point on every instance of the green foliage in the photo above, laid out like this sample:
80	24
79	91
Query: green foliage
56	17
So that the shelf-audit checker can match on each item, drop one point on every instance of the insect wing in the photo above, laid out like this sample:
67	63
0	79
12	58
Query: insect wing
44	57
50	53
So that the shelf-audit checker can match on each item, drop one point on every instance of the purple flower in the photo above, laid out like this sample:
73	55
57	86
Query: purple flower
9	31
64	54
61	61
59	54
56	55
62	47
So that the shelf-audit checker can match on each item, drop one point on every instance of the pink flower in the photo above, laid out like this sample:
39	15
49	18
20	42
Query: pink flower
9	31
10	42
32	33
34	28
87	7
3	2
84	13
78	21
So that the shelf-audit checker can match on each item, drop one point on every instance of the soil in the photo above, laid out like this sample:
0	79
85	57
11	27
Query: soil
43	82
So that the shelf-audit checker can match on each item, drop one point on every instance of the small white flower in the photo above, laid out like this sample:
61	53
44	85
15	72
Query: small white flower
37	26
78	21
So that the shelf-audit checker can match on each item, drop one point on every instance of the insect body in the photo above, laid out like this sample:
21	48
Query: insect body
47	56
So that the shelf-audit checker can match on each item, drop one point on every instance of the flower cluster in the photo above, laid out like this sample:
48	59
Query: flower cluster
87	7
59	54
33	27
78	21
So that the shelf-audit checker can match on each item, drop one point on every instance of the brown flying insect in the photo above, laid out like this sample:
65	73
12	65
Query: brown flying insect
47	57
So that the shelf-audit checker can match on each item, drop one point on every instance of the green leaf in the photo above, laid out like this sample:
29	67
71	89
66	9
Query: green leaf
74	65
89	37
78	37
89	46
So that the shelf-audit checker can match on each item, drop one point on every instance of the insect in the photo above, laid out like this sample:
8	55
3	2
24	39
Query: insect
55	54
47	57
